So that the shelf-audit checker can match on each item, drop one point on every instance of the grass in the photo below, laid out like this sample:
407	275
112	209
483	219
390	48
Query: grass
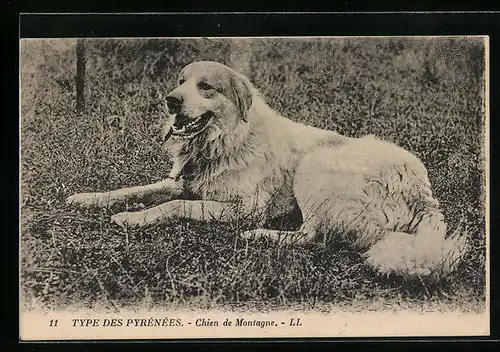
423	94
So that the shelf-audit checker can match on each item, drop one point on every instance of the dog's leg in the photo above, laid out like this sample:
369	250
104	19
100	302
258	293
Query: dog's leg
425	253
395	253
161	191
190	209
300	236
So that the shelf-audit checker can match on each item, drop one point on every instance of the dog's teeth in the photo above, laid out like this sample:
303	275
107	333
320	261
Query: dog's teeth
194	122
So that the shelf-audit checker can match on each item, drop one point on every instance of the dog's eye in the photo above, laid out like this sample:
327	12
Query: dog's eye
205	86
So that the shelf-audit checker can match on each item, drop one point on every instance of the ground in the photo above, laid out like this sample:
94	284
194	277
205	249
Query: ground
422	94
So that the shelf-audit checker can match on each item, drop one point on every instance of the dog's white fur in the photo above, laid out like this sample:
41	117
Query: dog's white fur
251	160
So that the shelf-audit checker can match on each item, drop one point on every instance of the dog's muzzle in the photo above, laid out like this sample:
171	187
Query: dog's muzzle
185	127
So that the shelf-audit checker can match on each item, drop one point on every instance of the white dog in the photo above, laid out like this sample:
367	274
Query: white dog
234	155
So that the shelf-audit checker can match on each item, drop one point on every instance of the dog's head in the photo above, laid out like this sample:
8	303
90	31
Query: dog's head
210	97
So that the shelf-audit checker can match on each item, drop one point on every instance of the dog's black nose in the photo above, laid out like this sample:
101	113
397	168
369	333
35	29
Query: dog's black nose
174	102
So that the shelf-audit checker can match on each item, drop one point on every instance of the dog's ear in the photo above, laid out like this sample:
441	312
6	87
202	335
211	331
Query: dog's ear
242	94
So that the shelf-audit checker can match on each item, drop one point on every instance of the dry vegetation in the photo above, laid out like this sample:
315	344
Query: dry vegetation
425	95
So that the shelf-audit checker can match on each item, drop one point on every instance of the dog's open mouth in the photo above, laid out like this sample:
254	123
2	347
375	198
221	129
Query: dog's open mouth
186	127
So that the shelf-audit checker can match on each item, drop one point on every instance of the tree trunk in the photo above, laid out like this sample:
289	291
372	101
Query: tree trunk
240	55
80	76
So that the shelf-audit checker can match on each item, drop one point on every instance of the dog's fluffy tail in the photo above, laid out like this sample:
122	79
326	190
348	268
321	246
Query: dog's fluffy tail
425	253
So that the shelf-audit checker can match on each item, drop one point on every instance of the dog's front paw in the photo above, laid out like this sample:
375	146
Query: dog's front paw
131	219
257	234
248	235
86	200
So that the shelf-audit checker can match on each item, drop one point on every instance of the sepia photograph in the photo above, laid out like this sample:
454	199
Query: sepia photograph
254	187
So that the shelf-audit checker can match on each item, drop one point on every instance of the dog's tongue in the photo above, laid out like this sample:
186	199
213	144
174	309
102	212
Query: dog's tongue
180	121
